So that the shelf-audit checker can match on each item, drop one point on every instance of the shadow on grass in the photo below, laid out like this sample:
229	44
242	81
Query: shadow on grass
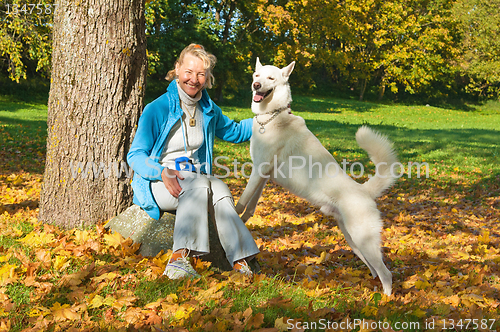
22	122
22	145
17	207
414	144
11	105
33	90
326	105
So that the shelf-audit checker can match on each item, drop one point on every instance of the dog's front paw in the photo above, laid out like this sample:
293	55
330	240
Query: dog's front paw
240	208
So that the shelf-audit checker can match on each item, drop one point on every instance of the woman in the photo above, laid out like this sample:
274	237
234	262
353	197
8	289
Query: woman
171	155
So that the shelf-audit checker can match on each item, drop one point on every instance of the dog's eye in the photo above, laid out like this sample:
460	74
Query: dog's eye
270	78
256	75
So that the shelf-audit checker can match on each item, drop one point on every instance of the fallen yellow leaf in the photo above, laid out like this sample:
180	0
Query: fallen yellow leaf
109	301
106	276
63	312
96	302
183	312
61	262
7	274
281	325
134	315
484	237
82	237
5	325
422	284
38	311
113	240
369	311
419	313
5	258
123	301
37	239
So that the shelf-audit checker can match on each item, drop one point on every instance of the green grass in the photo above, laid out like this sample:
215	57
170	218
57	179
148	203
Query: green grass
149	291
276	298
23	134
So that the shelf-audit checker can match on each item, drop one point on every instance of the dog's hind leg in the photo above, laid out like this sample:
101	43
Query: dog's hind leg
363	225
355	249
373	255
340	222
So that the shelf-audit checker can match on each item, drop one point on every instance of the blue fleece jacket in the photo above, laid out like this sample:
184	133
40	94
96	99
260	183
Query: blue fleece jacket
152	132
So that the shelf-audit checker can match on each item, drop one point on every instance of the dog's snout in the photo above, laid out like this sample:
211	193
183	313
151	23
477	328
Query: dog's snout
257	85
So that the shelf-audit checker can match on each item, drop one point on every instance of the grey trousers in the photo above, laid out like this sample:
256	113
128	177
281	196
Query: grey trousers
200	195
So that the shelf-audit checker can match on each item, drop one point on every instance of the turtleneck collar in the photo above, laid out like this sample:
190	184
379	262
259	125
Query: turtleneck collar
187	99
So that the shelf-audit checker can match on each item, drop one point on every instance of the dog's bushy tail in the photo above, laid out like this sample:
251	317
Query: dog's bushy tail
382	154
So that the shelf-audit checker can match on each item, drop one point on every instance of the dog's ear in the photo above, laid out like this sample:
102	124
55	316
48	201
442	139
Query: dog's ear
287	70
258	64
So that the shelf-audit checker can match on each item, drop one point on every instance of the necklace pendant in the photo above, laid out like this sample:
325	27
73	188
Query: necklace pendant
262	130
192	122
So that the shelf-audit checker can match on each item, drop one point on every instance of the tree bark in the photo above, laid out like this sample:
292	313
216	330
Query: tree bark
362	89
97	90
381	91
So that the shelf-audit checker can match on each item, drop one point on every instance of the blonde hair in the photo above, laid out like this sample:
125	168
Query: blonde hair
198	51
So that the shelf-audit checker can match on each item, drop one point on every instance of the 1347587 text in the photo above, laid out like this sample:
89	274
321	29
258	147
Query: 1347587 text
30	9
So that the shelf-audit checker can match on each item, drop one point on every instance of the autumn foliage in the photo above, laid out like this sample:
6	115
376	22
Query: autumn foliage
443	252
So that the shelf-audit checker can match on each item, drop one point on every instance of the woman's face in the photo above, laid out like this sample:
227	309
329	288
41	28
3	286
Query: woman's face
191	74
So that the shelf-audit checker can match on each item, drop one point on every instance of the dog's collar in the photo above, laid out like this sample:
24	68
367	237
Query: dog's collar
274	113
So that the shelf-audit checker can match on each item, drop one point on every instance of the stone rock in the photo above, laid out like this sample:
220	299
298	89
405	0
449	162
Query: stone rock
153	235
157	235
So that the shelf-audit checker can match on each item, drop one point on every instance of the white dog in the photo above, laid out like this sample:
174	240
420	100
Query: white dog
284	150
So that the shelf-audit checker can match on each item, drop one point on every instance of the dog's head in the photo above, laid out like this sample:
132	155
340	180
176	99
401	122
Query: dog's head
268	78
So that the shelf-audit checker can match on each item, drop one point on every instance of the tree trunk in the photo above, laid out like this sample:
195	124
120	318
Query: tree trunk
381	91
219	94
96	95
363	88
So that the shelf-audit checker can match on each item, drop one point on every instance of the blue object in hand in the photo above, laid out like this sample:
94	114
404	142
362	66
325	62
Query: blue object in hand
184	164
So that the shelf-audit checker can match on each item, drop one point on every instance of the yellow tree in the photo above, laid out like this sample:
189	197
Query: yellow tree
297	28
404	43
479	57
423	46
26	35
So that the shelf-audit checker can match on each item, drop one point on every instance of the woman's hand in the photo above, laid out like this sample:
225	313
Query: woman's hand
169	178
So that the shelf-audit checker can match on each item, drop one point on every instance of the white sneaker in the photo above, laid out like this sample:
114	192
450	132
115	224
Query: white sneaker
242	267
180	268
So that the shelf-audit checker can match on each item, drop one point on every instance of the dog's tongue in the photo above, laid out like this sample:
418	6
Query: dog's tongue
258	97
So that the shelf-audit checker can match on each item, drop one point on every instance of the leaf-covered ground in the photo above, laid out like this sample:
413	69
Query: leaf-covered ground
441	241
